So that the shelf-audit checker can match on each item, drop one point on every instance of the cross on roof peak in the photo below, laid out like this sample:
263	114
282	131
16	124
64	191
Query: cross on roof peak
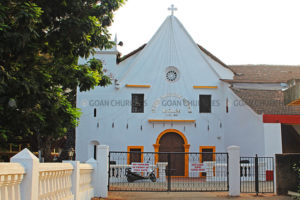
172	9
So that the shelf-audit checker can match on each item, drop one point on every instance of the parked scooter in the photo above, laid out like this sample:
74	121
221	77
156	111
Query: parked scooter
133	176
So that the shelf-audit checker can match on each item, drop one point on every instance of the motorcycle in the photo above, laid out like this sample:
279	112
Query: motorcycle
133	176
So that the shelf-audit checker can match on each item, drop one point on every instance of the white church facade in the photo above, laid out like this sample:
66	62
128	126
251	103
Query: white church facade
172	95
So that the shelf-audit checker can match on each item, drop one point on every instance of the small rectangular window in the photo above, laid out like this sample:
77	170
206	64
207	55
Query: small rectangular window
95	152
205	103
135	154
137	103
95	112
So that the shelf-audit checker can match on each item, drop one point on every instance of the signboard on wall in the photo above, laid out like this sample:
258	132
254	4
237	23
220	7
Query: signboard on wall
139	167
198	167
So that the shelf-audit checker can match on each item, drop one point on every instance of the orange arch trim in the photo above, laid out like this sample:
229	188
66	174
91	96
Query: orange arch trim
186	148
174	131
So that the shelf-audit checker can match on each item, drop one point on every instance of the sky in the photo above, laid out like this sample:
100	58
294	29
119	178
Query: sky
236	31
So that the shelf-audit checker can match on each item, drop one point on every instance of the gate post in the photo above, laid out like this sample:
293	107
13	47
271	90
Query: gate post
234	170
101	188
30	182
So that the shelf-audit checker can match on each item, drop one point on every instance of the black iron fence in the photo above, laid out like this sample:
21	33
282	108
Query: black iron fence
257	174
151	171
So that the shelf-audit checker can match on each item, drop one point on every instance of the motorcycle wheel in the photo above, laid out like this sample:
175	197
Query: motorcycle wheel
129	179
152	178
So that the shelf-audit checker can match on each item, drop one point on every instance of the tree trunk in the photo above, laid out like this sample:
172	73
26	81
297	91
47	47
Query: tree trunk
47	149
67	145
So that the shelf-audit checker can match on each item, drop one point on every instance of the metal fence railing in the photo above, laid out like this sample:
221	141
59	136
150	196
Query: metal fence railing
257	174
169	171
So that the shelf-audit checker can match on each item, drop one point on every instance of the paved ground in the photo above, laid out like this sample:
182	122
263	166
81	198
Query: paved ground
189	196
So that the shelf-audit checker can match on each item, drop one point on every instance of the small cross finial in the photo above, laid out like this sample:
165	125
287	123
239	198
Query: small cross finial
172	9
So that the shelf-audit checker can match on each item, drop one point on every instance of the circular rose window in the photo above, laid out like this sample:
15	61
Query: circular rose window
172	74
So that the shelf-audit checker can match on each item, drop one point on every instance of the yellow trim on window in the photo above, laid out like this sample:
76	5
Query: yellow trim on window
204	87
214	156
207	147
134	147
138	86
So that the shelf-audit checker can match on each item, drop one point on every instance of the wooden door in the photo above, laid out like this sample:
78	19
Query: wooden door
172	142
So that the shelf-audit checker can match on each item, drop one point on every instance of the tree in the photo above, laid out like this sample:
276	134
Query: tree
41	42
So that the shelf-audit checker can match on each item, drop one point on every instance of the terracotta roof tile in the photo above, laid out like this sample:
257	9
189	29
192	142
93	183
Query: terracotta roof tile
266	102
265	73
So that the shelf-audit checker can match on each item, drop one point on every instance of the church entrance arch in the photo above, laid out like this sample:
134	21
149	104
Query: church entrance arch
172	140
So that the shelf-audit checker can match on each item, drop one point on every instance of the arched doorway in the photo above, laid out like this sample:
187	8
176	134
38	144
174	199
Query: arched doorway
172	140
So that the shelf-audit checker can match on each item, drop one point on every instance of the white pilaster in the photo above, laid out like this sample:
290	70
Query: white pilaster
30	184
75	178
102	171
234	170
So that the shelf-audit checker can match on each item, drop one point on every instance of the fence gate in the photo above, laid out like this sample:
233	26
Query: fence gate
170	171
257	174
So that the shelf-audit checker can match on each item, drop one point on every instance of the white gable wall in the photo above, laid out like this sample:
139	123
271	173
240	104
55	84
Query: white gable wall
116	126
244	127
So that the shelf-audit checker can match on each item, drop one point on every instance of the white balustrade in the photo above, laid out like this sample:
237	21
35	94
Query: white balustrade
248	171
11	176
117	172
216	171
55	181
26	178
161	167
86	191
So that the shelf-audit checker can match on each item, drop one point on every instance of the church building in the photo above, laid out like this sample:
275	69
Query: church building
172	95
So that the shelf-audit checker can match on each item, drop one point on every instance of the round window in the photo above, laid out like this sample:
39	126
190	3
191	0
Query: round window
172	74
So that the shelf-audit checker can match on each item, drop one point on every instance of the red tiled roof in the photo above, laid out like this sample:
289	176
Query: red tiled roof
266	101
264	73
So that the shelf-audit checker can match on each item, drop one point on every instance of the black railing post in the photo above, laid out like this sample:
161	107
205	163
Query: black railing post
256	175
227	174
169	172
108	170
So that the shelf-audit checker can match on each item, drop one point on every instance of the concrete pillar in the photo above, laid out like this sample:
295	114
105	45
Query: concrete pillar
102	160
75	178
162	171
234	170
30	184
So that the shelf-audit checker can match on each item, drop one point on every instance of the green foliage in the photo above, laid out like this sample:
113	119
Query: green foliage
41	42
